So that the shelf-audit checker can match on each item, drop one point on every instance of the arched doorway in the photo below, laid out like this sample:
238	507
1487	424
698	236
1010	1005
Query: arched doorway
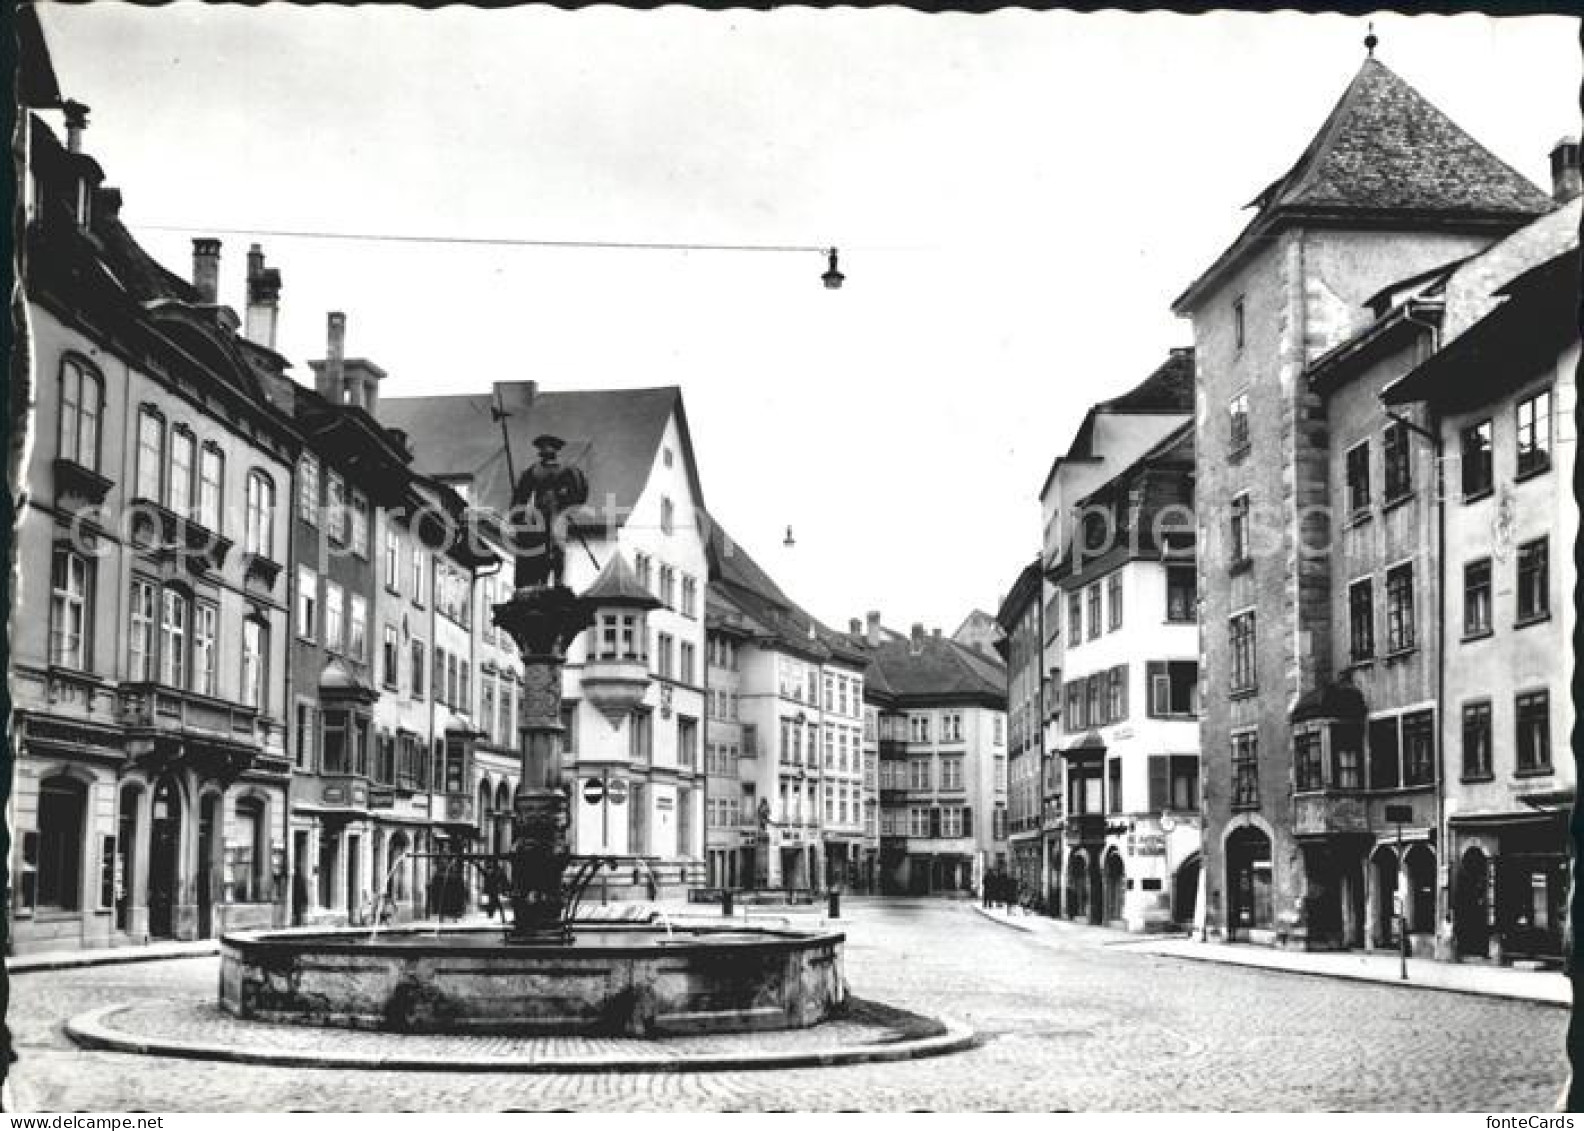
1115	886
164	872
1185	890
126	846
1248	865
1420	863
1471	909
1384	866
1077	886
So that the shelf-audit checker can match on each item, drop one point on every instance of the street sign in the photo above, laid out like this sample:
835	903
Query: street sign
1399	814
594	791
617	790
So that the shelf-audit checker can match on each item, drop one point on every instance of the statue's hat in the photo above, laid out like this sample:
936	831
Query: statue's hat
554	443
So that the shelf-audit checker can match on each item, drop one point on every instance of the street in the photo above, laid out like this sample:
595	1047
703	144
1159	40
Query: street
1073	1019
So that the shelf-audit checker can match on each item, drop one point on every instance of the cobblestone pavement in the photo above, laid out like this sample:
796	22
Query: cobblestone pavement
1077	1020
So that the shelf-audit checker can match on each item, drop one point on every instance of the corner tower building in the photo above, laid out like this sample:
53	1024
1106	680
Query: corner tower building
1388	187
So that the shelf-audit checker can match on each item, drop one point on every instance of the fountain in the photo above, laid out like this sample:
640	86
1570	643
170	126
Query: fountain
546	974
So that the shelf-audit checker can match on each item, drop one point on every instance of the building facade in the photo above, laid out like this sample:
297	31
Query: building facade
1021	619
1326	239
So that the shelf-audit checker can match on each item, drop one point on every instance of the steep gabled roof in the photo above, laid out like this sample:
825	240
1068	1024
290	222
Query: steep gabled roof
1385	152
1170	388
612	435
939	668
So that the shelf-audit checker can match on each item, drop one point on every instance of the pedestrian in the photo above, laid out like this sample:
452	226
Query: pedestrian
493	883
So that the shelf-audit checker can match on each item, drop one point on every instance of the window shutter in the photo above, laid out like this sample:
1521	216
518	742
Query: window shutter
1159	766
1154	670
967	821
1122	677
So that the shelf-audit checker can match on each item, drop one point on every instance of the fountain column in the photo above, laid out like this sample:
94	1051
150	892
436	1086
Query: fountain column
542	621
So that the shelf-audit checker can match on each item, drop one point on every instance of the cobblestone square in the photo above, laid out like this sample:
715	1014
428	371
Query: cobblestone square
1069	1019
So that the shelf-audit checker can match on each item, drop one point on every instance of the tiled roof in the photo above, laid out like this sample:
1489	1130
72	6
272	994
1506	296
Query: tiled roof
1170	388
1385	150
939	668
617	584
612	435
1386	147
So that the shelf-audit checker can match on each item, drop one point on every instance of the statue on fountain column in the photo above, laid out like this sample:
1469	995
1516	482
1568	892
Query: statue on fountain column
542	494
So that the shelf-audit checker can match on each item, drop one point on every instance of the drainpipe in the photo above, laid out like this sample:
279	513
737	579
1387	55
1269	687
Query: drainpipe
1444	864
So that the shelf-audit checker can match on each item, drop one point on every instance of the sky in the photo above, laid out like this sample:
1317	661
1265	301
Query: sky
1018	197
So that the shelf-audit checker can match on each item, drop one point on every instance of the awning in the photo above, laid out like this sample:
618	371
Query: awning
1087	745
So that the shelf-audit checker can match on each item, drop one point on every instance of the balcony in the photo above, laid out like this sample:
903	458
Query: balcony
1085	828
79	484
165	724
1331	812
615	685
170	536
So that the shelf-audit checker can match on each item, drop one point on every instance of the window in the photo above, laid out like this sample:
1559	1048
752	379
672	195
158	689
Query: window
1074	619
259	532
1077	719
667	516
1237	423
1534	732
417	663
1173	782
1308	767
206	632
487	706
255	661
1240	528
1476	462
1181	594
1534	581
1385	773
1477	739
951	773
640	736
140	634
1116	694
360	524
685	662
357	627
211	487
1361	620
303	745
668	587
308	488
919	773
335	617
689	596
1238	325
174	612
1094	695
464	695
1534	433
1174	688
1399	471
183	457
643	565
1093	600
1114	785
1245	770
307	602
1477	598
392	560
151	454
334	753
1114	601
663	655
391	655
1418	746
1358	478
1241	631
419	571
1347	753
335	503
82	404
1399	608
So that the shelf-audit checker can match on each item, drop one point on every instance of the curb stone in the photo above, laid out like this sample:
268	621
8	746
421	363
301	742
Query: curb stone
92	1030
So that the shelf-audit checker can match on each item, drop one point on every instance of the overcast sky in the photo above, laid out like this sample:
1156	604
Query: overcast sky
1017	197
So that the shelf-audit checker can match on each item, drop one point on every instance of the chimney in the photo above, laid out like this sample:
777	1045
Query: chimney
263	299
872	630
918	639
854	627
76	123
329	374
1565	183
935	633
206	270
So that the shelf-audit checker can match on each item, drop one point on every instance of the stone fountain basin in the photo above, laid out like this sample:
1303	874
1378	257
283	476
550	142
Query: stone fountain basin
632	980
